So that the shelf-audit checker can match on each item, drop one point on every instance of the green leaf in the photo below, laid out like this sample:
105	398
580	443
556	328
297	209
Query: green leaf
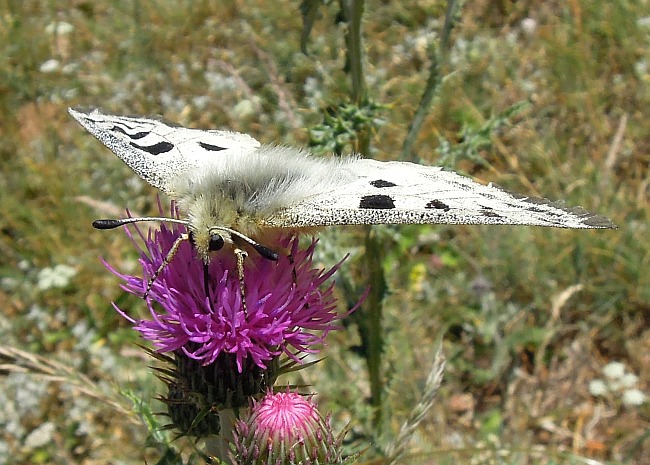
475	139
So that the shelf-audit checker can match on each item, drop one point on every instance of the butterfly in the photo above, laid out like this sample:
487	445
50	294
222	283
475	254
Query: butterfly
234	190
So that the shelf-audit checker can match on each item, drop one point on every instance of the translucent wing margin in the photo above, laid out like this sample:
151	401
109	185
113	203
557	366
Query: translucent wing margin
406	193
159	152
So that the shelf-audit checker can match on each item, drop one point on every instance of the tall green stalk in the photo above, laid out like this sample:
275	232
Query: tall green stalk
354	12
370	323
358	93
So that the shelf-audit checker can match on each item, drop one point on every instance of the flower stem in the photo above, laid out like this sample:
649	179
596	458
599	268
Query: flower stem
371	331
370	324
354	12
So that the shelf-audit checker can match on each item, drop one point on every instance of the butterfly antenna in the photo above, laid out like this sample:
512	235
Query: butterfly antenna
112	224
264	251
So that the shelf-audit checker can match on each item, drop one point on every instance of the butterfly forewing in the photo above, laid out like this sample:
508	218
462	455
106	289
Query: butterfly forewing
159	152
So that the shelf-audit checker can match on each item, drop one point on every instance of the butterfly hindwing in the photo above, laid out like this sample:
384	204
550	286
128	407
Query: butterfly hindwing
407	193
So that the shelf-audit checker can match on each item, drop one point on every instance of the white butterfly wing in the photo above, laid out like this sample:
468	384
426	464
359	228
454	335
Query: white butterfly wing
406	193
362	191
159	152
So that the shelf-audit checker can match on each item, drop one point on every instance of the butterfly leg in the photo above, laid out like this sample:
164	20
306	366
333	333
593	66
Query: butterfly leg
206	285
170	255
241	256
294	274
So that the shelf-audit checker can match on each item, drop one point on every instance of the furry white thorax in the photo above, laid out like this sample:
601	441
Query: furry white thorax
239	192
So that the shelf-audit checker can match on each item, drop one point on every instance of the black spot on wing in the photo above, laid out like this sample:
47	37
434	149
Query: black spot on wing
381	183
210	147
382	202
438	205
137	135
487	212
121	123
155	149
556	213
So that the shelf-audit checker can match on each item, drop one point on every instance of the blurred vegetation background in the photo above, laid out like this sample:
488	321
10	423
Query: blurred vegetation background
547	332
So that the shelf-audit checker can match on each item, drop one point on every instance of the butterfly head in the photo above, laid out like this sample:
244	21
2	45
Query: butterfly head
206	241
213	239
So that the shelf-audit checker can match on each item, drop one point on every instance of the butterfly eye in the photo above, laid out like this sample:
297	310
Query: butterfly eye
216	243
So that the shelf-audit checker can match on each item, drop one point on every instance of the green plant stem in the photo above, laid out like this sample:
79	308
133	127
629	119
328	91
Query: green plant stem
434	81
371	325
354	12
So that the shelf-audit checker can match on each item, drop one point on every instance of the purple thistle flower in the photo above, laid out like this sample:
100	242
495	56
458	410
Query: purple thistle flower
287	310
286	428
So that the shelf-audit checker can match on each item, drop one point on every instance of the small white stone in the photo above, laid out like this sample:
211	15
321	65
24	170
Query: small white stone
614	370
628	380
528	26
58	276
50	66
641	67
633	398
59	28
244	109
40	436
597	387
70	68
